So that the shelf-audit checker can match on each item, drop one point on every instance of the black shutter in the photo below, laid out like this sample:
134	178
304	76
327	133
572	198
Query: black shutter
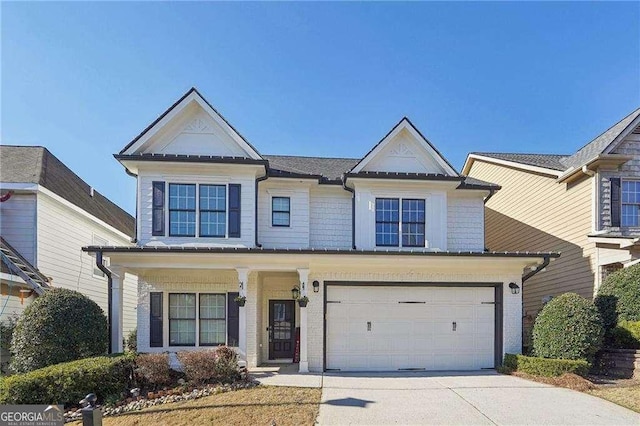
155	329
234	210
615	201
233	320
158	209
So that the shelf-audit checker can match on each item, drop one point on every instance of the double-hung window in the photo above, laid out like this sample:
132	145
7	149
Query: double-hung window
391	223
182	210
213	330
213	210
630	210
280	211
182	319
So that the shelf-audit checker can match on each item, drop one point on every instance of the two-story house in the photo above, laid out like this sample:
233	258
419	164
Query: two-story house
47	214
388	249
585	205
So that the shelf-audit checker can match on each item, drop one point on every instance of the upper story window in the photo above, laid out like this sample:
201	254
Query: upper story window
390	223
182	210
218	207
213	210
280	211
630	211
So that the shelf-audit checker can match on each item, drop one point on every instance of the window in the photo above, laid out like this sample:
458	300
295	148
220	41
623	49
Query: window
213	210
413	223
213	329
389	222
630	203
280	211
182	319
99	241
182	210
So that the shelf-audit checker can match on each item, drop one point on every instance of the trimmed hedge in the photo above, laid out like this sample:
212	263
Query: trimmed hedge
568	327
216	366
68	383
626	335
618	298
60	326
545	366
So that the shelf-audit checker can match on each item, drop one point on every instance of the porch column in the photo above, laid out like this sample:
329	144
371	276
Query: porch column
303	275
117	298
243	282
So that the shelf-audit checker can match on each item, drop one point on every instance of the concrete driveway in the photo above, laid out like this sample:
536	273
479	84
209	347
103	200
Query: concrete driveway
459	398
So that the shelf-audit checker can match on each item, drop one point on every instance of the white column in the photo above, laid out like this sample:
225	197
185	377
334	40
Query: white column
117	298
243	282
303	274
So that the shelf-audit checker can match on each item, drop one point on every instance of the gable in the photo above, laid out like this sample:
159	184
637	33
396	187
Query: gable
630	145
405	150
191	127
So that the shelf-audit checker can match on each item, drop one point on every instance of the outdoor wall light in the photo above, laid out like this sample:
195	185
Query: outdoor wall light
295	292
316	286
515	289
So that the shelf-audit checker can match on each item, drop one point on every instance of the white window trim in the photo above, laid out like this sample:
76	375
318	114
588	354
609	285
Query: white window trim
284	194
622	203
400	199
167	214
167	328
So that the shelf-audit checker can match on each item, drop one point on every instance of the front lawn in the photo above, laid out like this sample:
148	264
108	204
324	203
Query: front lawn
626	395
261	405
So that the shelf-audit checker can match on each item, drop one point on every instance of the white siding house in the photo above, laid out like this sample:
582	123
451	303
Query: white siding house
387	250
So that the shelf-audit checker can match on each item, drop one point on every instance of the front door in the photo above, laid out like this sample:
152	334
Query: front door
282	324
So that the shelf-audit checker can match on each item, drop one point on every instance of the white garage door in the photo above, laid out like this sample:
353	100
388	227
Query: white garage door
386	328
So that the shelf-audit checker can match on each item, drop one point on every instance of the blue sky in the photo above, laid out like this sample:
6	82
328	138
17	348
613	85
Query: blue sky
326	79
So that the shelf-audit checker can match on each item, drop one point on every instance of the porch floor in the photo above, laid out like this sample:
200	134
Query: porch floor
285	375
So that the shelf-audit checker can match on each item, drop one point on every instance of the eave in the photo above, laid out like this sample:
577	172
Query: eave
601	160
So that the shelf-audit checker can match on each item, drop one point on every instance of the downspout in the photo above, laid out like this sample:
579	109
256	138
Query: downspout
258	180
107	272
353	211
530	274
491	192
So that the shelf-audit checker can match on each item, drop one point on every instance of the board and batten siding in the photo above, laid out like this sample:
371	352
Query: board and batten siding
62	232
18	224
535	213
465	222
145	211
330	218
296	235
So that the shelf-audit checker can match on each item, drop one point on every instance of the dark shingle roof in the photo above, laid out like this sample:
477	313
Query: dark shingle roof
600	143
549	161
35	164
330	168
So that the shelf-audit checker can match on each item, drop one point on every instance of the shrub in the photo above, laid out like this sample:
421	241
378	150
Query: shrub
568	327
60	326
6	331
545	366
216	366
132	340
69	382
618	298
153	369
626	335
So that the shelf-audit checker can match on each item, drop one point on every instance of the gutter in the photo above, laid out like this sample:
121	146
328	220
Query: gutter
107	272
539	268
258	180
491	193
353	211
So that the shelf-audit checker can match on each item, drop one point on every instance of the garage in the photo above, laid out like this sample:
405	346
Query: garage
400	326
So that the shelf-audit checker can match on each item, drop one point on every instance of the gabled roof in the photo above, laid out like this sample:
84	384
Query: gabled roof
405	123
549	161
600	144
191	95
35	164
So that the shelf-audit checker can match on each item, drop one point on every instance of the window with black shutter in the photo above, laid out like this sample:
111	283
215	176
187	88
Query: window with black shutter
234	210
233	320
615	201
155	328
158	209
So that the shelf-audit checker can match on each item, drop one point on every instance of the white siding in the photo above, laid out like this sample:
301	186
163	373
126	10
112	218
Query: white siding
247	210
18	224
297	234
330	218
465	223
62	232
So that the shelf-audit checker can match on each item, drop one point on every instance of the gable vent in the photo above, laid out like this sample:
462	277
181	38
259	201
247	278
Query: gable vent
636	131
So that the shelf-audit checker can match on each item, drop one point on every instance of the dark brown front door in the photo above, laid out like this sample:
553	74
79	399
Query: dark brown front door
282	324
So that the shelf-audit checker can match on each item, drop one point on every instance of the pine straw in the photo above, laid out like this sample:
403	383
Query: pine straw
567	380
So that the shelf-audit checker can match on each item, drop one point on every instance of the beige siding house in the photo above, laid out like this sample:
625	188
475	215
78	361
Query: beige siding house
585	205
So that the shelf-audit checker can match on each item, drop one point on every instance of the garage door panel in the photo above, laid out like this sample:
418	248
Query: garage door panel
409	335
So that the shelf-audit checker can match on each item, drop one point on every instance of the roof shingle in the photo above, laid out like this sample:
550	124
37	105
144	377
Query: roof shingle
548	161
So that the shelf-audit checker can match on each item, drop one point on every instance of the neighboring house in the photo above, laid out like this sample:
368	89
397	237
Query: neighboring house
47	214
585	205
388	248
